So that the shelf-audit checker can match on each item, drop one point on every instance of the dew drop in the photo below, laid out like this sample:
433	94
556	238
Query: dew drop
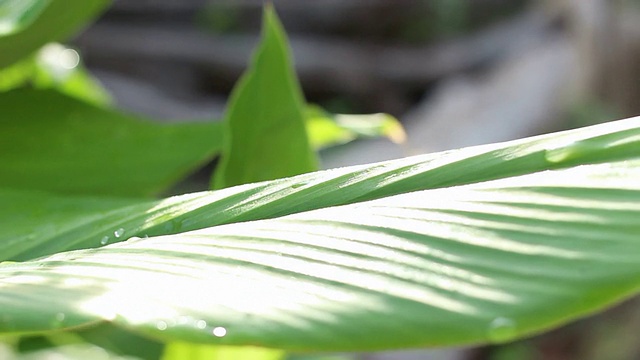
104	240
201	324
161	325
118	232
57	320
219	331
60	317
501	330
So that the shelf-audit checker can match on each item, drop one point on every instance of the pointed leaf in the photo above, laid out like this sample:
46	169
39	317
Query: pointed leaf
266	130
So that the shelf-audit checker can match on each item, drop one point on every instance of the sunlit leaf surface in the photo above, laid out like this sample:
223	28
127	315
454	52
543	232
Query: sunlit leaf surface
38	224
485	262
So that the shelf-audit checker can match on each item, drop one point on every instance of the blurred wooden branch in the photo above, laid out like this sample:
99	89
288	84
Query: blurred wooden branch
336	64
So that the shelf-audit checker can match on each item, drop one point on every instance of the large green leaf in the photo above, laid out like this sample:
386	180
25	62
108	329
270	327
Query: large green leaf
26	25
266	130
52	142
40	224
486	262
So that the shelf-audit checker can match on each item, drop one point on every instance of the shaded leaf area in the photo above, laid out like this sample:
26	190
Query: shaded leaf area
49	224
487	262
106	337
266	137
68	146
33	23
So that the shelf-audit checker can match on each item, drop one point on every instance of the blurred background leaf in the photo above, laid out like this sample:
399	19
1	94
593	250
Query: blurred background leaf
266	136
325	129
68	146
29	27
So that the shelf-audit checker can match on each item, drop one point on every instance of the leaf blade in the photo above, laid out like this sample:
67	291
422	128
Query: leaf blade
485	262
266	137
610	142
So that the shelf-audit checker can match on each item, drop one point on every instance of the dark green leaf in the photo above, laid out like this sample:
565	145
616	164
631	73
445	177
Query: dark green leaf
51	142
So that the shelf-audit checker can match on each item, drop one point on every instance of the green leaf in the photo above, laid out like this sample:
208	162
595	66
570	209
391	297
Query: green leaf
52	142
55	67
38	224
266	132
29	24
181	351
15	15
486	262
443	265
326	129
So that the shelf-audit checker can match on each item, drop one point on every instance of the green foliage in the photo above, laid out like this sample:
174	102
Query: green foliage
450	264
324	129
54	67
84	149
18	14
180	351
478	245
29	24
266	136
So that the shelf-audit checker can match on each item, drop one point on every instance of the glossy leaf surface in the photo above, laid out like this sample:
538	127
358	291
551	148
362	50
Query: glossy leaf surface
443	264
40	224
486	262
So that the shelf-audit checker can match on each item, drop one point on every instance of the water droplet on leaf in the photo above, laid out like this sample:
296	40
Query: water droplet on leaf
118	232
501	330
201	324
161	325
219	331
104	240
57	322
